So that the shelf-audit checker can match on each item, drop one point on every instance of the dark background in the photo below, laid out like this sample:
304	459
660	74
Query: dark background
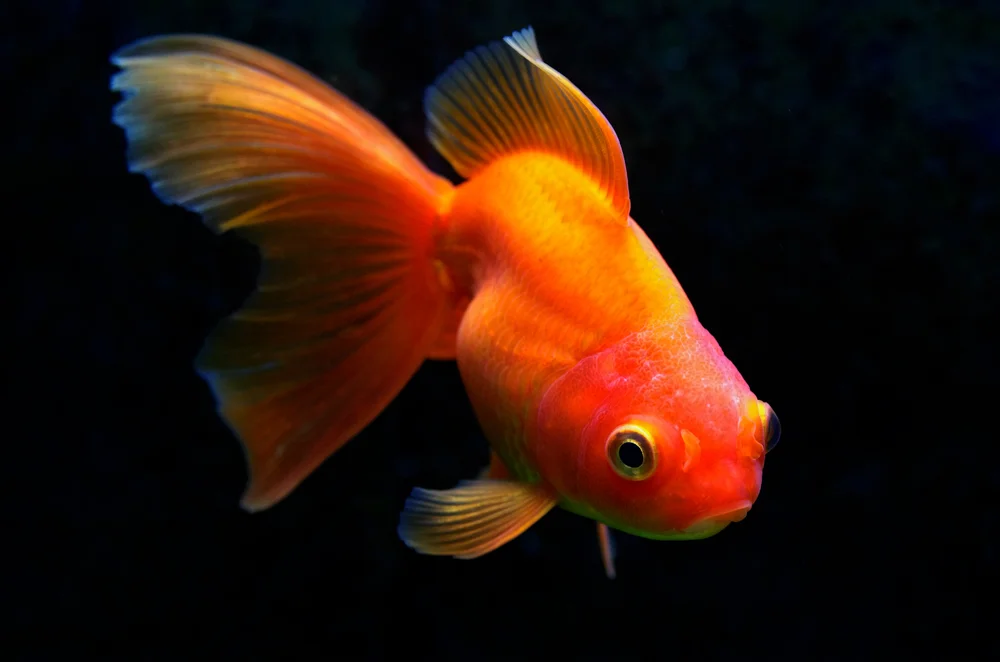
824	179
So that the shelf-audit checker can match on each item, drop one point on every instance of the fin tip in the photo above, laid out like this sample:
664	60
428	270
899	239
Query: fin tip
254	504
523	41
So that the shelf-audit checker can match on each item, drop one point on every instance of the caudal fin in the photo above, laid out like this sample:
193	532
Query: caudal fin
347	304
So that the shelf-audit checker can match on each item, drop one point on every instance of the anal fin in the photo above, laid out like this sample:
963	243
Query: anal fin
607	544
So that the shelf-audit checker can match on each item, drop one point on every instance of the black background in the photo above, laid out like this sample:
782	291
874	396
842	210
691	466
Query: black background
824	179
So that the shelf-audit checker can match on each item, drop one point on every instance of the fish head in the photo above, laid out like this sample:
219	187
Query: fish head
657	435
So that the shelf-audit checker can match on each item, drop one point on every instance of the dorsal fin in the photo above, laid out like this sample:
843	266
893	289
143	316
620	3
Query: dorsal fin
502	98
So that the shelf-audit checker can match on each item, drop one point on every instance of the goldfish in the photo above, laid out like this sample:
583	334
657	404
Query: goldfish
596	386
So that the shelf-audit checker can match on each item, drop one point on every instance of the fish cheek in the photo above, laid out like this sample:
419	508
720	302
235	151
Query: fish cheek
566	417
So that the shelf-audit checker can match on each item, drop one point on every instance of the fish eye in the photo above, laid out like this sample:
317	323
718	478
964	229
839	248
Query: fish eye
772	427
631	453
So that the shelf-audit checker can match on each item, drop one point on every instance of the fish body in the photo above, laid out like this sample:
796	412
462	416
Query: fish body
583	358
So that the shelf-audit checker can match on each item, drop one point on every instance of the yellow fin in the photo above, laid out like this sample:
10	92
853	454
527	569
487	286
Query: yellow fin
502	99
607	544
473	518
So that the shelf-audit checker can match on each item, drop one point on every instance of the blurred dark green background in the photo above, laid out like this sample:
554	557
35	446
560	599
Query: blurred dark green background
824	179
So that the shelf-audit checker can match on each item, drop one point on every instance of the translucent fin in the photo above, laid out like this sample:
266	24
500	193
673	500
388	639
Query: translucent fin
607	544
472	519
347	305
502	99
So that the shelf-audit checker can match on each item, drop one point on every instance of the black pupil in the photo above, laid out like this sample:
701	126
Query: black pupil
630	454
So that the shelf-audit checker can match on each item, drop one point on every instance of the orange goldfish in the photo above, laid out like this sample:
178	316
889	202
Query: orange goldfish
584	360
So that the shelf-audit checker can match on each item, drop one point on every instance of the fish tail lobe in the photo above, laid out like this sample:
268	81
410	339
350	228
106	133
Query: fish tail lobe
349	301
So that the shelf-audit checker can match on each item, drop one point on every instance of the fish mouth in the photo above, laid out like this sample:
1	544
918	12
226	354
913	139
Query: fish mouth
720	518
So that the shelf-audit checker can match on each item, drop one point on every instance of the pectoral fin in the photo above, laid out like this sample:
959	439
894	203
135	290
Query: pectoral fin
473	518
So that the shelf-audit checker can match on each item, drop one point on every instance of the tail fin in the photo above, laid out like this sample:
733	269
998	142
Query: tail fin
347	304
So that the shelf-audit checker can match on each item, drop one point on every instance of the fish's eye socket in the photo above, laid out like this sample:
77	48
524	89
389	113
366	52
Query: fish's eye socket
772	427
631	453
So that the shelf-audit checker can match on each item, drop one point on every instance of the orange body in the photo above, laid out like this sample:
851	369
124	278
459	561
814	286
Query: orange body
595	384
576	325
